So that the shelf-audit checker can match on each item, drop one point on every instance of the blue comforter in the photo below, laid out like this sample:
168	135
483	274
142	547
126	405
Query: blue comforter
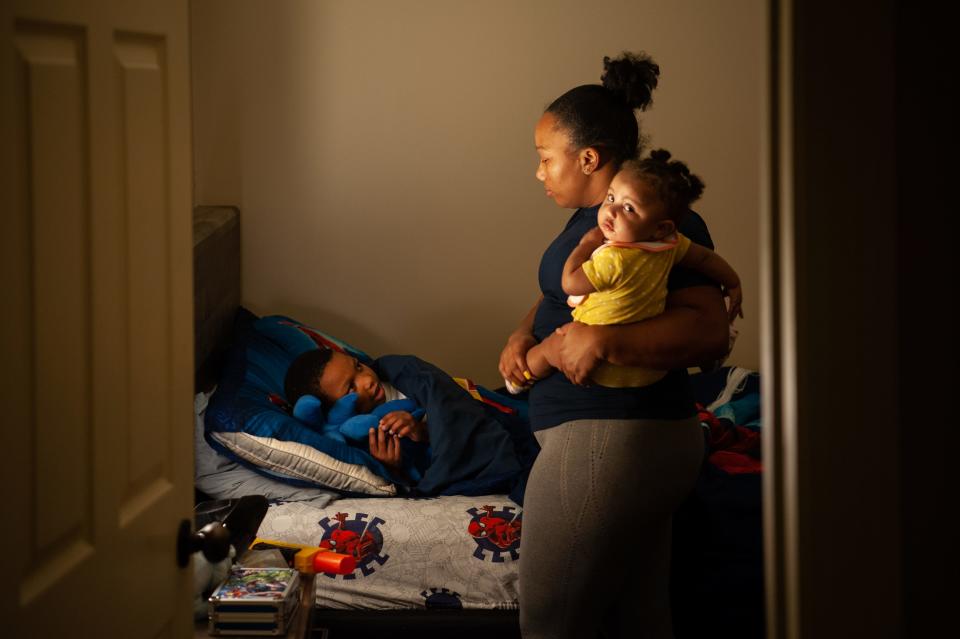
475	449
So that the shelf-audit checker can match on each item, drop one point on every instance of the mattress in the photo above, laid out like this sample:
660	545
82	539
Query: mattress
413	554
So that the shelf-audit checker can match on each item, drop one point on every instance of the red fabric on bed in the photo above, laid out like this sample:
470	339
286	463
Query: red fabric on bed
734	449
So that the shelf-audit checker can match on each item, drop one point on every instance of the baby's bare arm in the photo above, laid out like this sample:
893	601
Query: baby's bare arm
574	280
718	269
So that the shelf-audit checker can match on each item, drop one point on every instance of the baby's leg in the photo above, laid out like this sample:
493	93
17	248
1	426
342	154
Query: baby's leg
538	364
540	356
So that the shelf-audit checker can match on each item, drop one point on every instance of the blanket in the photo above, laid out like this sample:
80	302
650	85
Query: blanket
476	448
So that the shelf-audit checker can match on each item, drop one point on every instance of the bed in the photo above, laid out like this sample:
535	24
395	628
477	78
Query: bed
447	565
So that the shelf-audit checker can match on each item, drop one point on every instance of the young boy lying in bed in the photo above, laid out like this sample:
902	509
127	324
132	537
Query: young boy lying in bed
474	449
330	375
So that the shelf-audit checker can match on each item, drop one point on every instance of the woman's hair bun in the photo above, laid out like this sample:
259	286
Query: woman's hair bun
632	76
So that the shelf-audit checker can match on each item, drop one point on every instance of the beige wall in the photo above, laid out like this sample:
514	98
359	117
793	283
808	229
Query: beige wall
382	152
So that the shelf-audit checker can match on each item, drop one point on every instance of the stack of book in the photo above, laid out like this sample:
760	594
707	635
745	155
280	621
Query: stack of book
255	601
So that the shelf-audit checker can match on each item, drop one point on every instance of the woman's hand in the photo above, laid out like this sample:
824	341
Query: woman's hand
385	448
402	424
579	351
513	358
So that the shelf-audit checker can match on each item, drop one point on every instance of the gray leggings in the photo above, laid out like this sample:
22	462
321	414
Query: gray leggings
596	526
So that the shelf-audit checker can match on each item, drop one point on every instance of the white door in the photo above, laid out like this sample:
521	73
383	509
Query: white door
96	340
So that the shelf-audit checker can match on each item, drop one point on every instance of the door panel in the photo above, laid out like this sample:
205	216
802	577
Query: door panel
97	340
141	83
52	71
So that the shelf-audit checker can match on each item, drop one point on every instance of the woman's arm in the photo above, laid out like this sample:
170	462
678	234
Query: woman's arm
513	357
692	330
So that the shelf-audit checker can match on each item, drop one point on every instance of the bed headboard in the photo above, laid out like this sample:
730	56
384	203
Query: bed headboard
216	287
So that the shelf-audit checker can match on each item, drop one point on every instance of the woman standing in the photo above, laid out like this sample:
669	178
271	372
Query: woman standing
615	462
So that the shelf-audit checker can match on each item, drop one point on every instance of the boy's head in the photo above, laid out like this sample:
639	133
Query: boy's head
648	198
329	375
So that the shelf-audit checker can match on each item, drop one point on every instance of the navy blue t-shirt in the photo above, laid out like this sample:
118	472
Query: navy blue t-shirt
554	400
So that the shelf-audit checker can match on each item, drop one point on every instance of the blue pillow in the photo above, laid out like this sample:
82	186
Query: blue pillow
249	419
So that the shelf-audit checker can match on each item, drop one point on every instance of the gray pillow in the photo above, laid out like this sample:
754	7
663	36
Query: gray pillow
223	478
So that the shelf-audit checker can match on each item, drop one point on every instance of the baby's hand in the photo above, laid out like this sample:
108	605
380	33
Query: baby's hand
735	309
402	424
593	237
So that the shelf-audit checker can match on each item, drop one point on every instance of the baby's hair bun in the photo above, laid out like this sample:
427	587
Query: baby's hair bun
686	186
632	76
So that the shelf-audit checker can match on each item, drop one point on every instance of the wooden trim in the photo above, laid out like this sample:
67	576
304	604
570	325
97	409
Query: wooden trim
832	484
779	335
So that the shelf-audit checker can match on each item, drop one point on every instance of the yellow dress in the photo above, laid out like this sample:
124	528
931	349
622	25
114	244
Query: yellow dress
631	283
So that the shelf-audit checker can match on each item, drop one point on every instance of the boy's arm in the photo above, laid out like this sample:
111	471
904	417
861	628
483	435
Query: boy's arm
574	280
716	268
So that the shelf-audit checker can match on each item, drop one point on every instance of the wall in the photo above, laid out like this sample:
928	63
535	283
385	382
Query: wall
382	153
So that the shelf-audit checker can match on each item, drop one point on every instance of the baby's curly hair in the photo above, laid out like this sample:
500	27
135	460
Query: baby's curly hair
671	181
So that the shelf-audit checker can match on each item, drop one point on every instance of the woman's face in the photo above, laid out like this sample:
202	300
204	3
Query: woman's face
560	168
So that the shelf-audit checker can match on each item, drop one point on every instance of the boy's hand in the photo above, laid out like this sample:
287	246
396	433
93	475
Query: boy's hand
385	448
402	424
735	293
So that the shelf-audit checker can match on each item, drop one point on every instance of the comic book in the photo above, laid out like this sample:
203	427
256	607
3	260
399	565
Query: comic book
254	601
